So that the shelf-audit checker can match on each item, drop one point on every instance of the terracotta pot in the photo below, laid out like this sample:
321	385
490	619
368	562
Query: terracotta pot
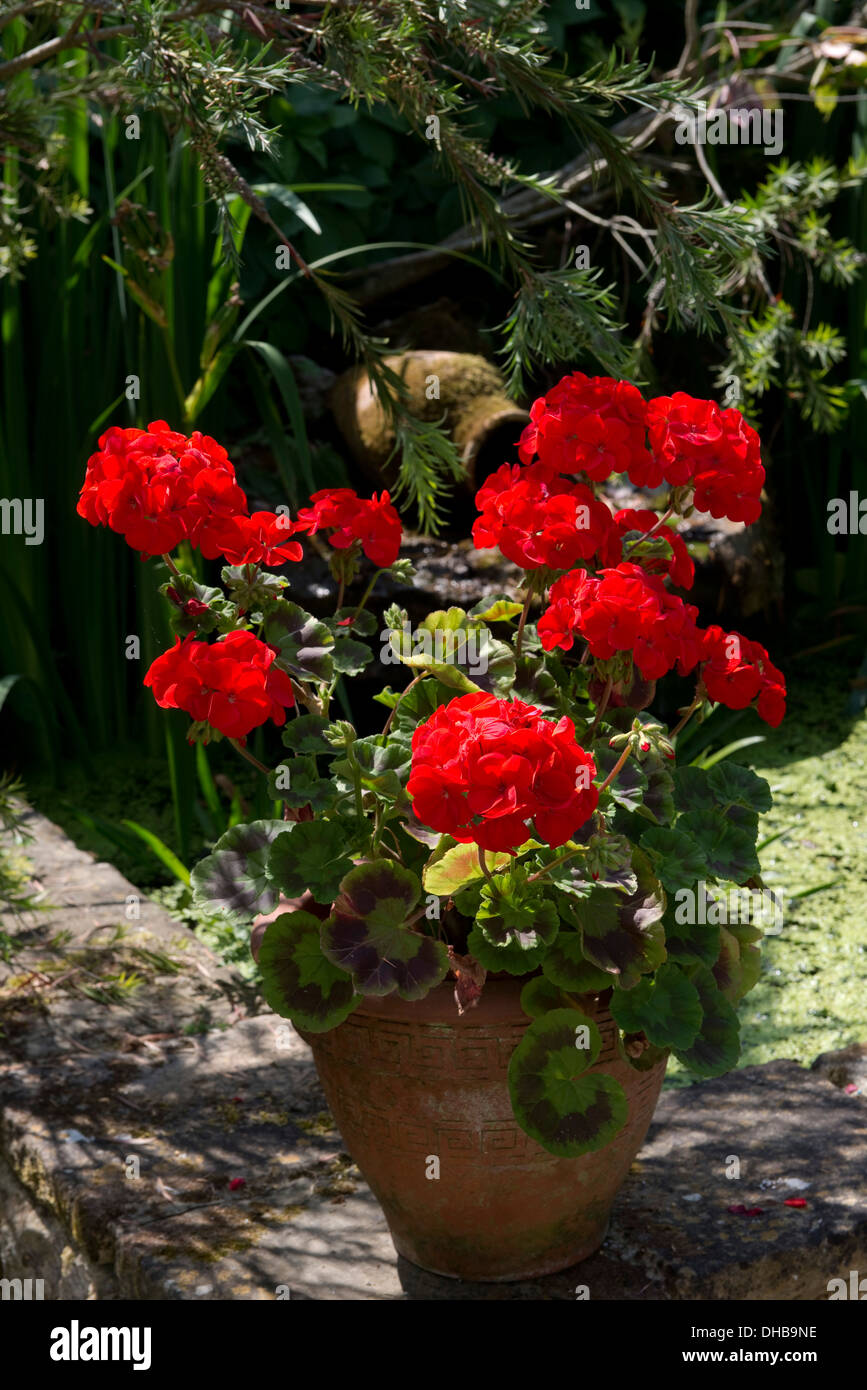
483	422
410	1082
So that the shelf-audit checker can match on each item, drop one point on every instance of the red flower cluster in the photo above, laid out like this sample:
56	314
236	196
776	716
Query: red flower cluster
231	684
483	769
600	426
157	487
538	519
593	425
736	671
623	609
714	450
372	521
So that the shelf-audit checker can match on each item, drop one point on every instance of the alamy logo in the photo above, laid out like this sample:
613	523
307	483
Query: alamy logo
25	1289
468	649
75	1343
23	516
748	125
696	907
857	1288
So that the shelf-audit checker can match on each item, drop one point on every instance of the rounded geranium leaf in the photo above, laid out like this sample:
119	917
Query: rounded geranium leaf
297	782
557	1100
303	642
716	1047
665	1007
623	935
451	867
729	851
310	854
689	942
539	996
676	858
349	622
304	734
350	657
513	931
566	966
367	933
298	981
732	784
235	876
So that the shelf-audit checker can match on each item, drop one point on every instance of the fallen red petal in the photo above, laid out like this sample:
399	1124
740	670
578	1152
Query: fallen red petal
235	1183
795	1202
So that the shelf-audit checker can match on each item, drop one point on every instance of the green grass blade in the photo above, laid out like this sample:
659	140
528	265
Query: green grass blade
161	850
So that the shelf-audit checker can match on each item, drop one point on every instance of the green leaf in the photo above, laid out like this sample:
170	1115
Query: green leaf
298	982
384	767
513	932
732	784
566	966
540	996
676	858
496	609
311	854
303	642
367	933
665	1007
304	734
364	624
451	867
557	1100
234	877
717	1047
728	851
161	850
296	781
686	942
350	657
623	935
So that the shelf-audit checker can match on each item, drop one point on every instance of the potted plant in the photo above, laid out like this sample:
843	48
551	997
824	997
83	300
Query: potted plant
497	916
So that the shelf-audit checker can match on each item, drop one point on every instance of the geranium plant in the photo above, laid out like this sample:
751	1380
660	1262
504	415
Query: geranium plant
519	812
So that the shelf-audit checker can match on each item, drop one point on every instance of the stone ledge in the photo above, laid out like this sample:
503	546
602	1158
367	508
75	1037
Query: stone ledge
127	1115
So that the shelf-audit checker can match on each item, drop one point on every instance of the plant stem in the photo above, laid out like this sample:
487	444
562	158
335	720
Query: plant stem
615	769
393	711
524	611
689	713
602	706
366	595
555	864
249	756
172	566
340	593
646	535
483	866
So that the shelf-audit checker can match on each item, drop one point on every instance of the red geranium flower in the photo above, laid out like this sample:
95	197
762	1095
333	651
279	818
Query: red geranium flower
371	521
231	684
593	425
485	770
736	672
539	519
694	441
260	539
623	609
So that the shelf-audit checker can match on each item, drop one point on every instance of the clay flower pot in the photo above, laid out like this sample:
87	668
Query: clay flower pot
410	1083
468	390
